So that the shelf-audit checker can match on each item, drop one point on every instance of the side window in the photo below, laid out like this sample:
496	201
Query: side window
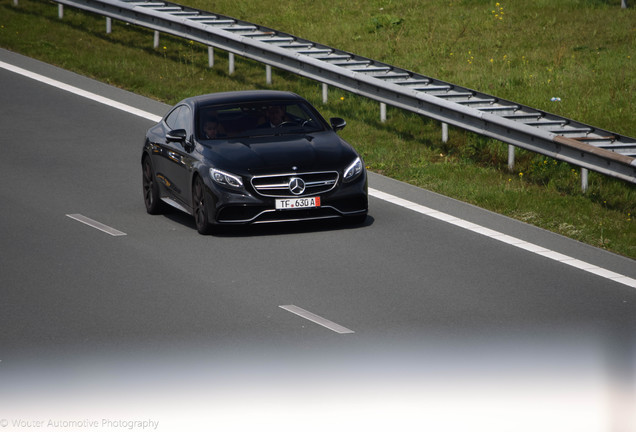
180	118
184	121
171	119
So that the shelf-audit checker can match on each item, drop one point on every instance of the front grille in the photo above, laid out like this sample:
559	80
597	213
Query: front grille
278	185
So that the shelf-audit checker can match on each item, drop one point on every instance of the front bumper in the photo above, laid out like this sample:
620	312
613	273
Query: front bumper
248	207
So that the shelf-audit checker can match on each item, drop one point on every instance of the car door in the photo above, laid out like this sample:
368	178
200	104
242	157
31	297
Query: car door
175	161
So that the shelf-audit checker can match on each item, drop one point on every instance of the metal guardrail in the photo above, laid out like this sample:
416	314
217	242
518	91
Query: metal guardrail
521	126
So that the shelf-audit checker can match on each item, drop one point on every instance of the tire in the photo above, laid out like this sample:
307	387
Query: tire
199	208
153	202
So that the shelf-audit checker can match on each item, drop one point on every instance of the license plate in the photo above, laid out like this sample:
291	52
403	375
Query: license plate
297	203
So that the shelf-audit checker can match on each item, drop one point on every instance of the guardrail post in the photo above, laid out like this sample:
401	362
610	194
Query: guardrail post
584	183
155	41
210	57
60	10
109	25
325	91
624	4
268	74
231	63
382	112
444	132
511	157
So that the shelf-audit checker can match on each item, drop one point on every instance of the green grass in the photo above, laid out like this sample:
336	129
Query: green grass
582	51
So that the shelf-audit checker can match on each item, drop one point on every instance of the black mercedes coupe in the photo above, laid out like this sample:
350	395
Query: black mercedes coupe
252	157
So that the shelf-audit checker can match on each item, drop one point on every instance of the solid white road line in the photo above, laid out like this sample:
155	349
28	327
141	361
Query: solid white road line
316	319
373	192
96	225
539	250
80	92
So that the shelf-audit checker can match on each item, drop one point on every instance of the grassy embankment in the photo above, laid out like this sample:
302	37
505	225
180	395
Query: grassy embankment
581	51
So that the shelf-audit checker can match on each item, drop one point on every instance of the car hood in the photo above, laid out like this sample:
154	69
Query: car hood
261	155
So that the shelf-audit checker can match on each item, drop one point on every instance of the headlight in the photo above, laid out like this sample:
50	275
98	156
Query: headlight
353	170
225	179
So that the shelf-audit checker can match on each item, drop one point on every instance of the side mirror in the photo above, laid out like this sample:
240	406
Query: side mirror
337	123
177	135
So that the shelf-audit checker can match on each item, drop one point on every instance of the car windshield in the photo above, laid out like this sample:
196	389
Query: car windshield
256	119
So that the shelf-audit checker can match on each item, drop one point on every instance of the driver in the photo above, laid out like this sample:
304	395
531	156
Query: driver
274	116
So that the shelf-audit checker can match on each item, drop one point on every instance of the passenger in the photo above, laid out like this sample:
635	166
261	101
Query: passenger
212	129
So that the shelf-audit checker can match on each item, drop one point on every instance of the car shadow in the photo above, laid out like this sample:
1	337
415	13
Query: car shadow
271	229
290	228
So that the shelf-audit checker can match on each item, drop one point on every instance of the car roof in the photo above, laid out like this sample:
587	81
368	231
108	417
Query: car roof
242	96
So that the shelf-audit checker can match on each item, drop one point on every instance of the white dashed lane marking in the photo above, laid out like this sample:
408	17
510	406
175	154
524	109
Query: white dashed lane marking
317	319
97	225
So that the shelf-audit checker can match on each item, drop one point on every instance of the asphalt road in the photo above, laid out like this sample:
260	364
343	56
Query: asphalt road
440	326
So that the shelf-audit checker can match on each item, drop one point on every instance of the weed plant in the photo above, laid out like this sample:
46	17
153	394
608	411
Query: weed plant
574	58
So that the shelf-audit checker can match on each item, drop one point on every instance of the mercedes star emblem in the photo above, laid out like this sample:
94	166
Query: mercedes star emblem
296	185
